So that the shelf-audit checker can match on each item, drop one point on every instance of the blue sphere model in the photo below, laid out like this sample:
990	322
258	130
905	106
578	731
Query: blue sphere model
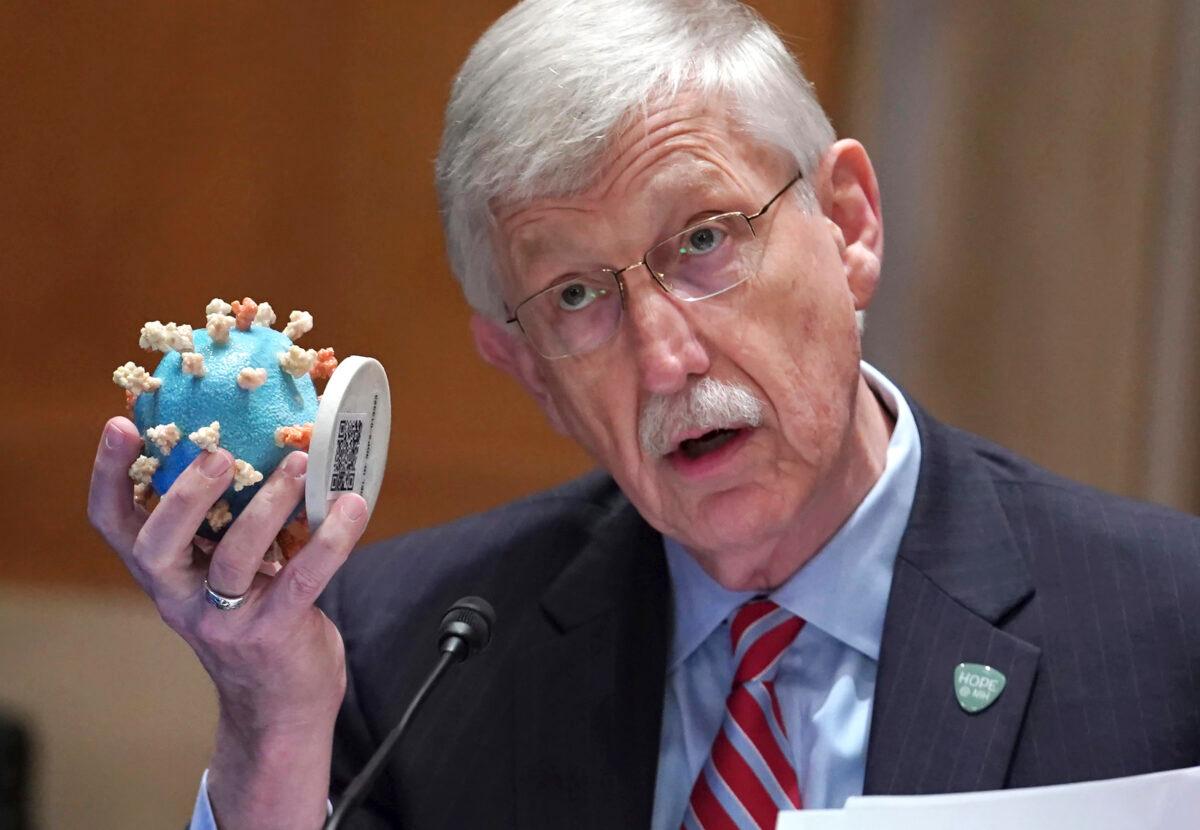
237	384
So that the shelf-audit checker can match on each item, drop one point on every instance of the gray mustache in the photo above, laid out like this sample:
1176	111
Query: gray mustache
708	405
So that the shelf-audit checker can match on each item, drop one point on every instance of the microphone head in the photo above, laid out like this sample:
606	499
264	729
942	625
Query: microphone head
468	623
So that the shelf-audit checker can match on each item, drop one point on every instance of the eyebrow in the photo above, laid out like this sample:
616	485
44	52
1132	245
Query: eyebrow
694	196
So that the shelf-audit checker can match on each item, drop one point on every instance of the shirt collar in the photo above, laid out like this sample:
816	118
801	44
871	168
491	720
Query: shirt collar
843	590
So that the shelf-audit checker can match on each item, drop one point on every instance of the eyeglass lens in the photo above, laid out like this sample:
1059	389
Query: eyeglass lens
583	312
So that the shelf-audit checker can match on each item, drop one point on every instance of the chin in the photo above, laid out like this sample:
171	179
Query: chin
740	519
734	576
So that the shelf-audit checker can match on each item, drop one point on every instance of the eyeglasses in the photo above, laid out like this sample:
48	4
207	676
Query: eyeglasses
583	311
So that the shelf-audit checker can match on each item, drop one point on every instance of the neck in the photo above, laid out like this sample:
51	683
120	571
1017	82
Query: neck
858	466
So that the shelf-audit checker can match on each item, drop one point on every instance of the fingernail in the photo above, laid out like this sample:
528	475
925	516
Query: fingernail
214	464
112	437
353	509
296	464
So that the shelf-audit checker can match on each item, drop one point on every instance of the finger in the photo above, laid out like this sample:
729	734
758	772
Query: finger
110	497
305	576
241	550
164	546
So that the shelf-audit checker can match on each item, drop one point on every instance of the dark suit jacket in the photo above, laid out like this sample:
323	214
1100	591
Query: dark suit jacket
1089	604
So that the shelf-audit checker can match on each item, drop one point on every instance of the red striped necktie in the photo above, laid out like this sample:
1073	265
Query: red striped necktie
749	776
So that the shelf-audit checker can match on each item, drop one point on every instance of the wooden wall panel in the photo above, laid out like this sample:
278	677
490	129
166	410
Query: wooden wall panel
154	155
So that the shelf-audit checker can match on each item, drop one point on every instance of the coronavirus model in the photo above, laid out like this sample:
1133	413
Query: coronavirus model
238	384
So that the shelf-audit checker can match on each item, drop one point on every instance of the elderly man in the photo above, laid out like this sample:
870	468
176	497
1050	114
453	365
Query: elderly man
788	584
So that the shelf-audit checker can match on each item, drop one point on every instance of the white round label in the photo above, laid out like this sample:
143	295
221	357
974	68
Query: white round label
348	450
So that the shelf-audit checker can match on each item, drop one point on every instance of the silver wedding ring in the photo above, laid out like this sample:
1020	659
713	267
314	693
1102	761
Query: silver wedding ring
220	600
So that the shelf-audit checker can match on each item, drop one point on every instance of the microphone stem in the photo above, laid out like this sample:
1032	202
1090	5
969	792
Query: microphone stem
362	783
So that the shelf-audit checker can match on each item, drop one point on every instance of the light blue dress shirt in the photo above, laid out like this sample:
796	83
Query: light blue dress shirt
826	680
202	815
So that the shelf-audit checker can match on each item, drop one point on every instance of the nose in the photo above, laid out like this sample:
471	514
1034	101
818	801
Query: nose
665	344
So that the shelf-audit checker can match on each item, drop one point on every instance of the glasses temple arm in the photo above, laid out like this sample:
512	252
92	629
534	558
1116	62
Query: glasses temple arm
799	175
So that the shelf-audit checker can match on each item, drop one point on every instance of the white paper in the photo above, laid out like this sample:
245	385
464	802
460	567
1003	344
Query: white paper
1158	801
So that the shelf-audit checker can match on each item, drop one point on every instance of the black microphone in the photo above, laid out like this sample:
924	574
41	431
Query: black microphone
466	629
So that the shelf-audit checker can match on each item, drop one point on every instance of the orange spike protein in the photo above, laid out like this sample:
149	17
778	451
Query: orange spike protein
292	538
244	312
326	363
294	437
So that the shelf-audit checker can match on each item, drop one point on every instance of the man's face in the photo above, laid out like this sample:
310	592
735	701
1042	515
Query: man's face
788	335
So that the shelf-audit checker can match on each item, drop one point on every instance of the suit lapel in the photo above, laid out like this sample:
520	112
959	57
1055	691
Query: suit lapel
958	574
587	730
588	706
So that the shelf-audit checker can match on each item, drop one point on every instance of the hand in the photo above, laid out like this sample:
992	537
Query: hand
277	661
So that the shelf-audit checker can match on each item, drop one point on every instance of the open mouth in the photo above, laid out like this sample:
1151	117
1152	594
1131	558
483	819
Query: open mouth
709	442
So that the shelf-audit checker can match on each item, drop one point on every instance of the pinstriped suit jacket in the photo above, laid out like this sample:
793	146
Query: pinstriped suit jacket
1088	603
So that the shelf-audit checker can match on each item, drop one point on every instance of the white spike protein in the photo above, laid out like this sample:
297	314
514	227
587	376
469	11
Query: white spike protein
183	339
218	327
141	493
207	438
157	337
299	324
192	363
265	316
164	436
250	378
143	469
298	362
135	379
244	475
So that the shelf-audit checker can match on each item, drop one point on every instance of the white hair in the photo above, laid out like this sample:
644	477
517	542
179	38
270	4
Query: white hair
546	88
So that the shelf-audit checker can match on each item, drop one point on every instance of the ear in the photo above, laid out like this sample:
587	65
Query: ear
848	193
508	351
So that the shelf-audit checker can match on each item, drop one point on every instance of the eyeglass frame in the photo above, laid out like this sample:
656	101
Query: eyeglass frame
616	273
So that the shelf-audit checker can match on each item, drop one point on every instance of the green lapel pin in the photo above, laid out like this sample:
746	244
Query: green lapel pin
977	686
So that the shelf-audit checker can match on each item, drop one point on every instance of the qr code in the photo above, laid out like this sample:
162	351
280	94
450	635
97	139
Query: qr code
345	456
